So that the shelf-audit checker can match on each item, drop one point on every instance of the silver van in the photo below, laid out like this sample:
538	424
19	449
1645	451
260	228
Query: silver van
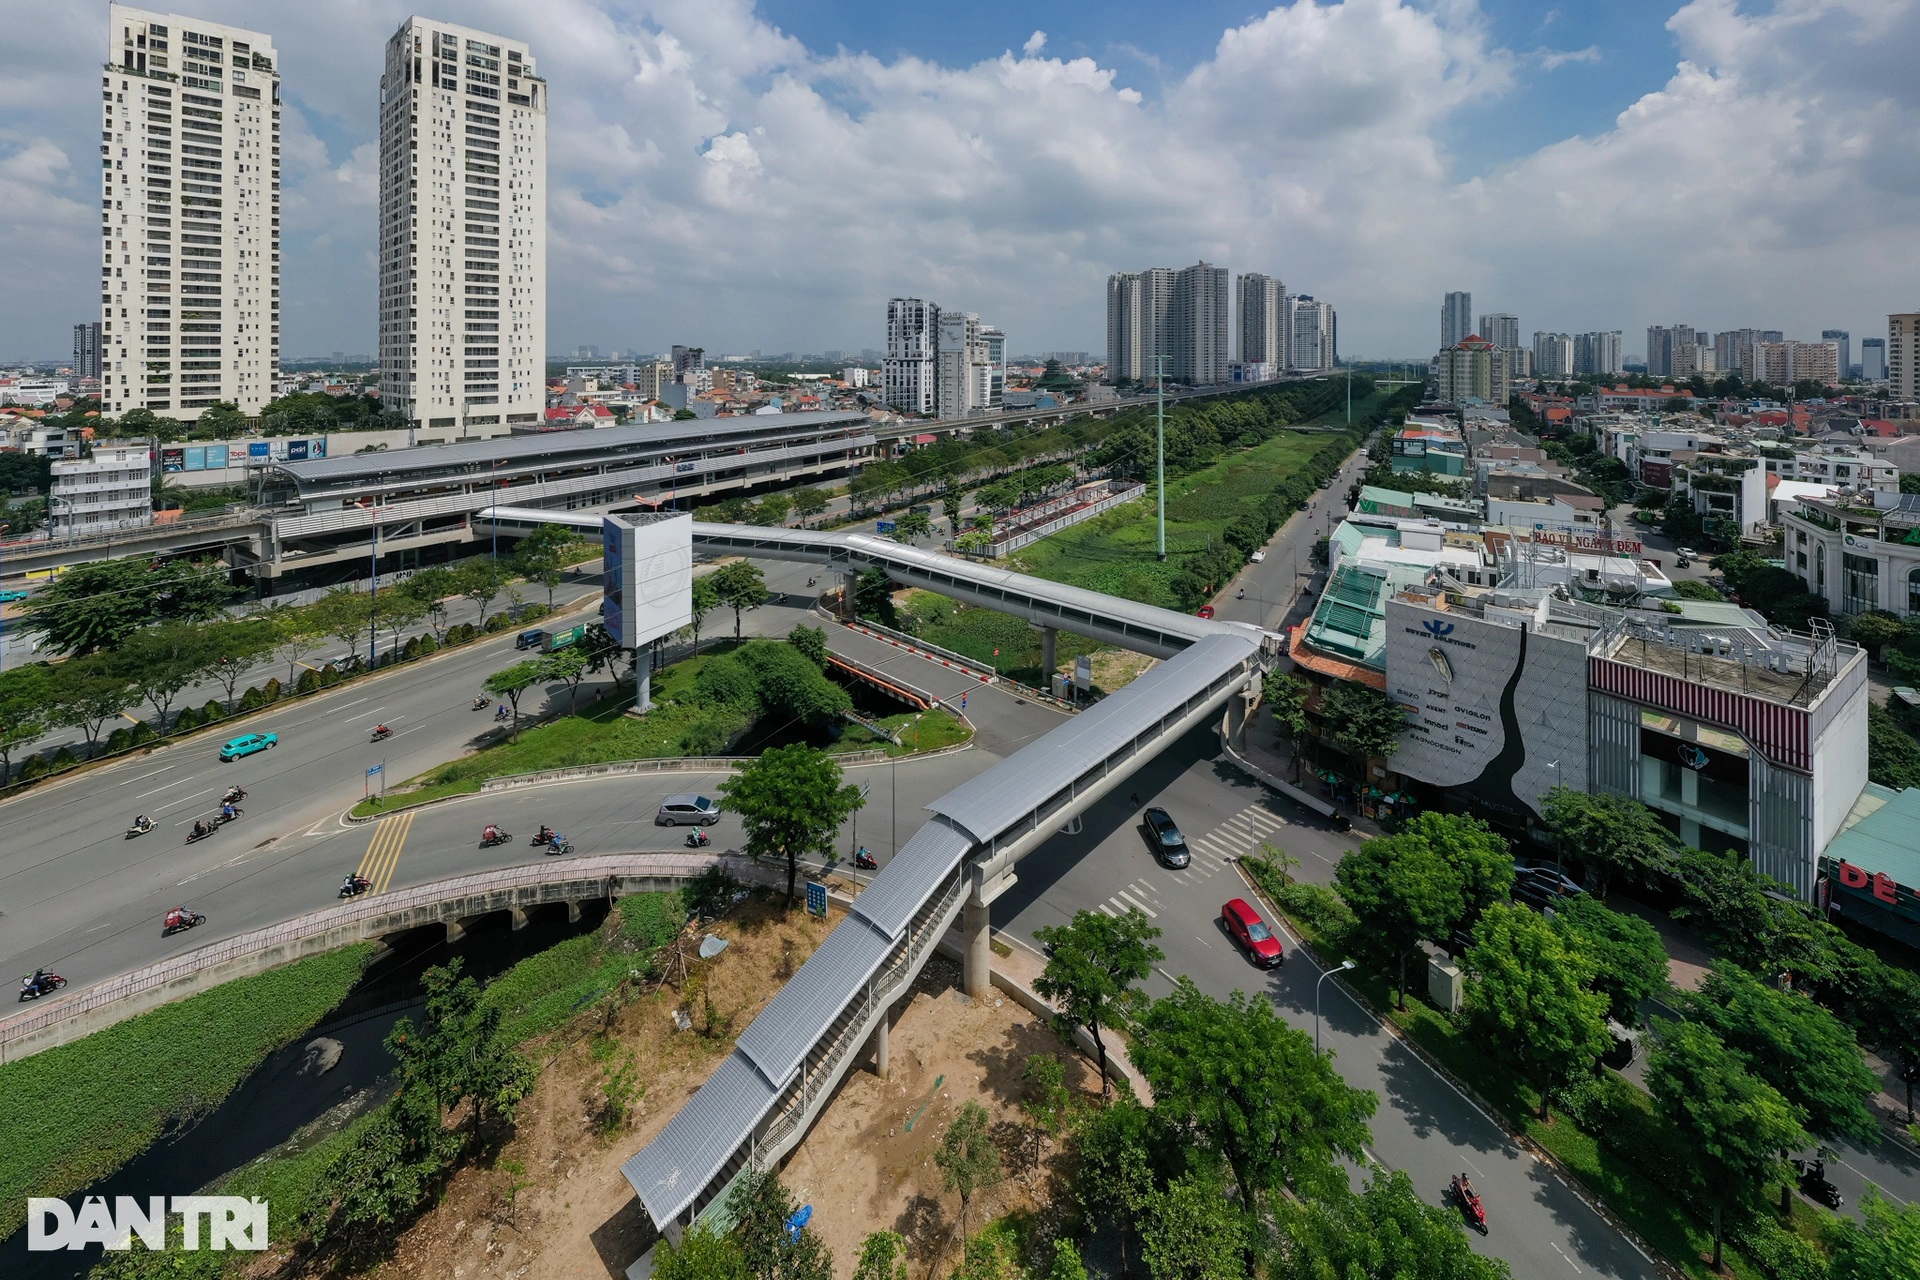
687	811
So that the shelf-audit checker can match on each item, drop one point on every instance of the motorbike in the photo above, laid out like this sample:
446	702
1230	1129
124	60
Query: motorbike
559	846
234	795
355	886
179	921
480	703
1476	1212
543	836
202	833
500	715
140	828
1812	1176
864	860
381	734
1241	594
500	836
49	981
698	839
1341	822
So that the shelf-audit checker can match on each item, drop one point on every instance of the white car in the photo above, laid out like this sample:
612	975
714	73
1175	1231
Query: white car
1258	557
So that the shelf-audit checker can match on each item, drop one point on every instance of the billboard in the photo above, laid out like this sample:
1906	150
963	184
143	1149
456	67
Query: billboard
647	579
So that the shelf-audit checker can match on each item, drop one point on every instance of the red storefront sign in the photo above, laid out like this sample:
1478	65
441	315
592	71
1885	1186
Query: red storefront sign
1882	886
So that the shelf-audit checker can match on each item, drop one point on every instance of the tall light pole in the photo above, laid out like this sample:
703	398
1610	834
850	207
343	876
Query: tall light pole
1343	966
1160	443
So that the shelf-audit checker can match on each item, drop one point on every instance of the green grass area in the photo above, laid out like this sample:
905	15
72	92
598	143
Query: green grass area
78	1111
1115	552
545	991
1652	1211
919	731
989	637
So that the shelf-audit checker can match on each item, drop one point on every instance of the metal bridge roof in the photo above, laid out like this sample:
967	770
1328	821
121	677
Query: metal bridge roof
779	1037
478	455
989	803
671	1170
911	877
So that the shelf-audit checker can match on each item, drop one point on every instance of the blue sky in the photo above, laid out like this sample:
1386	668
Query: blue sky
743	175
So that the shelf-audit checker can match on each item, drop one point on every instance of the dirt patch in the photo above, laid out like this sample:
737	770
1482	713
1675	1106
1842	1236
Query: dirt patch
1115	668
868	1163
569	1213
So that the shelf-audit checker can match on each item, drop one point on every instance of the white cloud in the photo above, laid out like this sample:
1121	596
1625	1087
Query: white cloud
712	179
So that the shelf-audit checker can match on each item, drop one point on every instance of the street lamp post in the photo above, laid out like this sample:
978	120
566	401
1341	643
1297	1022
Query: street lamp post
1160	447
1343	966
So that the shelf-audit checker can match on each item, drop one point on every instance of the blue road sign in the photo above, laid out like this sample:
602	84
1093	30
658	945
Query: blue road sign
885	526
376	769
816	898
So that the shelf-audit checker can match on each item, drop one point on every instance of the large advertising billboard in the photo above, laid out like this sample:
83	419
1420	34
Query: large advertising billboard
647	589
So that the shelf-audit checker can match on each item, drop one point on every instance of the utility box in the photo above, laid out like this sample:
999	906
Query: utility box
1443	984
1062	685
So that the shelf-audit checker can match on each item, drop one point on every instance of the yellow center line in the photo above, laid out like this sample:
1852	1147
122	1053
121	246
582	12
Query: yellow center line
383	850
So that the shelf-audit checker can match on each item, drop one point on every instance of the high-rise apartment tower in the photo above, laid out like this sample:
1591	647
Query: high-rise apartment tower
86	350
1501	329
463	229
1456	319
189	215
1845	341
1873	359
1265	334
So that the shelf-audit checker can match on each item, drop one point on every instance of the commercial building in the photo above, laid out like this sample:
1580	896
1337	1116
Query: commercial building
1670	348
1456	319
1315	335
906	372
463	229
112	489
86	350
1473	369
1552	354
995	339
1859	550
1501	329
959	365
1597	352
190	215
1873	359
690	369
1903	355
856	375
1266	331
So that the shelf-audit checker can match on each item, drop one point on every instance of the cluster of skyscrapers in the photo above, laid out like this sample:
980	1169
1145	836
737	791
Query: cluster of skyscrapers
1550	355
1178	324
190	222
1761	355
943	363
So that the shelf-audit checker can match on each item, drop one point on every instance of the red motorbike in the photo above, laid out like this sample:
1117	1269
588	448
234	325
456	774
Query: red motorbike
1470	1201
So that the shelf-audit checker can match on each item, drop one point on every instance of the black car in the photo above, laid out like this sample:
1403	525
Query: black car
1542	887
1168	844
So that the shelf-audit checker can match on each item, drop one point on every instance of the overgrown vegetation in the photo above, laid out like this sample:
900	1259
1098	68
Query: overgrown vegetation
76	1112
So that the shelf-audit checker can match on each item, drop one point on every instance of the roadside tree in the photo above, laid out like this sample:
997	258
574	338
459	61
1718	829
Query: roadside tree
397	612
1193	1230
88	692
26	699
432	588
1115	1168
706	598
237	648
1883	1245
483	582
967	1158
792	801
1629	960
1480	857
811	642
808	503
1530	1000
97	606
1611	835
909	525
739	586
1401	893
1736	1123
771	511
1362	721
513	681
567	666
1286	697
1095	964
542	556
1385	1232
159	662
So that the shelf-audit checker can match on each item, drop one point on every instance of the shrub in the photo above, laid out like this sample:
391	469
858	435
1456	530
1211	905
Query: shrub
411	649
119	740
34	766
188	719
253	699
214	710
272	690
706	738
309	681
144	732
461	633
499	622
427	645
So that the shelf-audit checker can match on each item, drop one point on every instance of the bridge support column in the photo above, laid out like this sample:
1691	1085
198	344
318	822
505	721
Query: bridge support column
456	930
975	924
517	918
573	911
1049	658
642	687
880	1047
847	611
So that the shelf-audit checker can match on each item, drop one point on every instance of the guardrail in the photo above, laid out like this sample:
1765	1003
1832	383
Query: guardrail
680	764
595	876
1026	537
948	658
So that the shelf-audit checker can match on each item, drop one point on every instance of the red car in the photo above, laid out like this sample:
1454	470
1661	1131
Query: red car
1251	932
1206	611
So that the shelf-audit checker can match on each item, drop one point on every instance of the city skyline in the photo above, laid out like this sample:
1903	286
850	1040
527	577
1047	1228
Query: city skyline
699	154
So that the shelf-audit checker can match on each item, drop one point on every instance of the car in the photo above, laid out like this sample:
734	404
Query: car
12	595
246	744
530	639
1258	557
1168	844
1542	887
1206	611
687	811
1251	932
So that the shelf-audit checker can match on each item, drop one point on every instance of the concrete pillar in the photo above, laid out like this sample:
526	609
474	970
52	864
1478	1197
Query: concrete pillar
573	911
847	610
456	930
880	1048
642	687
517	918
975	925
1049	636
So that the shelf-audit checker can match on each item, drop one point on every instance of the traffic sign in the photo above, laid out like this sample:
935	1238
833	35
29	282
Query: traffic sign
376	769
816	899
885	526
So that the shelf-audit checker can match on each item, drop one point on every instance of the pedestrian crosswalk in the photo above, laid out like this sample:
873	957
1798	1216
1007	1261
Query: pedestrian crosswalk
1212	853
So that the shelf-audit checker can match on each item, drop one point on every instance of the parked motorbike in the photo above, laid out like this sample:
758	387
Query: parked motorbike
140	828
1812	1175
35	985
1470	1201
354	886
864	860
179	920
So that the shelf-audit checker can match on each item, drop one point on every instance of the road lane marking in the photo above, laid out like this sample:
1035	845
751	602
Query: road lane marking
1169	977
383	850
157	790
1109	910
1564	1258
1147	910
138	776
1472	1166
369	715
